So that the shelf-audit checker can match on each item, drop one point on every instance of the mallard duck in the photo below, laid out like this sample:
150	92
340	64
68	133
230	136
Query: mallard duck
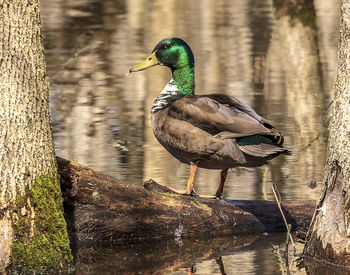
214	131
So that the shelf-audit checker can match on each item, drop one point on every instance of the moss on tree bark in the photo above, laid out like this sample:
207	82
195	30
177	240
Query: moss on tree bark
32	228
40	236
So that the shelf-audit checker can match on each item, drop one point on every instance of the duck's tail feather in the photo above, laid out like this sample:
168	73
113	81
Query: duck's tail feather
264	150
263	145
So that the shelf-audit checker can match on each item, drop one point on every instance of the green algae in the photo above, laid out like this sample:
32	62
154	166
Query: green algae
41	240
169	194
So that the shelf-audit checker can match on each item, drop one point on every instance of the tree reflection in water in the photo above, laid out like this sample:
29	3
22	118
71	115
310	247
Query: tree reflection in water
253	50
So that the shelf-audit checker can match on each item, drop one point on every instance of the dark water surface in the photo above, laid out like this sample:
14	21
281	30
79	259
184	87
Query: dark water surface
283	66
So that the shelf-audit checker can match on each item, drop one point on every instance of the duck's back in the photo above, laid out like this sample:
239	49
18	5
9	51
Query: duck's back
217	131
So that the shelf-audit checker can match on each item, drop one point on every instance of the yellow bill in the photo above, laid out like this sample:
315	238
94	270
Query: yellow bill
149	62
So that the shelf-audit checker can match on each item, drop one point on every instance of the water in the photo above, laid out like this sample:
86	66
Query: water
199	256
283	67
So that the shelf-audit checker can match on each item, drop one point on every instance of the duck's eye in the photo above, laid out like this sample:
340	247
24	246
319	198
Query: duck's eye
167	46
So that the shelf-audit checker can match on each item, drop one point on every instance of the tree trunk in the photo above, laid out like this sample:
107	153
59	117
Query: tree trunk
329	233
99	208
32	228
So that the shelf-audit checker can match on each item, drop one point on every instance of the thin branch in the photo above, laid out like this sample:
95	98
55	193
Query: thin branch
288	226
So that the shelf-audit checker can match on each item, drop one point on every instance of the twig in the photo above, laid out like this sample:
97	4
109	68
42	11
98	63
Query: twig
313	140
264	182
320	132
288	226
80	52
281	263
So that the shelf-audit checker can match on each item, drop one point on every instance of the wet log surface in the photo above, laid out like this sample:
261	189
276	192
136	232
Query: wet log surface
99	207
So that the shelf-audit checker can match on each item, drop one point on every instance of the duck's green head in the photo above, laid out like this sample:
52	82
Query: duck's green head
177	55
171	52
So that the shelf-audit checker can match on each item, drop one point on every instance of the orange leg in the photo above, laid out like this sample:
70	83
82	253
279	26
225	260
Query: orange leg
220	189
189	191
190	186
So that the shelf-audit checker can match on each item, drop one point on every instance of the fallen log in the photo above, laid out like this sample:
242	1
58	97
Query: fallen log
99	207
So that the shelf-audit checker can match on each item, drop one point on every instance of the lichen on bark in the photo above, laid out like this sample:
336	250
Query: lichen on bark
40	231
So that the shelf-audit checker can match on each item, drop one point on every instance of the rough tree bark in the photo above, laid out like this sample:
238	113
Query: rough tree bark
33	234
329	234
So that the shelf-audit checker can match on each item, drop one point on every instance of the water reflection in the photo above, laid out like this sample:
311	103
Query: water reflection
298	99
200	256
101	114
281	66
